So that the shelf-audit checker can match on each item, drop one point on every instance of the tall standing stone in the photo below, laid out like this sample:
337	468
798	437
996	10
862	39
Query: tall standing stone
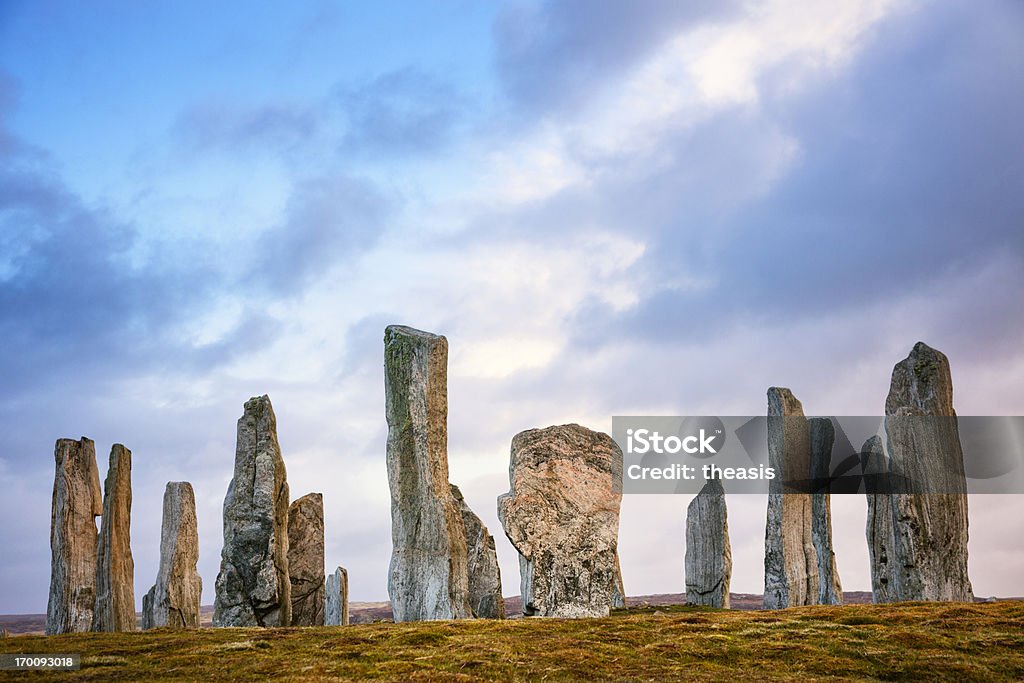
306	559
115	569
77	501
484	575
428	576
173	601
928	515
252	586
790	560
336	611
708	553
823	436
562	515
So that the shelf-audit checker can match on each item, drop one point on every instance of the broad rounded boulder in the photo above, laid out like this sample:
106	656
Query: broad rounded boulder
562	515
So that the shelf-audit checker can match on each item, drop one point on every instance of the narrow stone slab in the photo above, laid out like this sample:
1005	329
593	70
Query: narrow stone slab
823	436
253	587
428	576
115	569
879	527
306	559
562	515
790	560
336	611
708	553
77	501
484	575
173	601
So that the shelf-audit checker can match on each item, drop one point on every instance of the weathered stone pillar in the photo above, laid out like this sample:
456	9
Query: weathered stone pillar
484	575
174	599
77	501
115	569
708	553
928	557
253	587
790	560
823	436
306	559
429	576
336	611
562	515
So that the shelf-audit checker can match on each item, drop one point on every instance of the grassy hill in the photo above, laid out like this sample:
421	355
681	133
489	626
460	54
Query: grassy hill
961	642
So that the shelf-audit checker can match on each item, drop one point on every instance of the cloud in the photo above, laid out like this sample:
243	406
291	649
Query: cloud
233	127
401	113
552	54
329	220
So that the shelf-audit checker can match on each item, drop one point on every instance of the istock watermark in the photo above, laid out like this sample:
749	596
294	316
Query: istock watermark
918	454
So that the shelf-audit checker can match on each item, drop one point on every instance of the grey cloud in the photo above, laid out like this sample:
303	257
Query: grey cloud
402	112
329	220
553	54
908	176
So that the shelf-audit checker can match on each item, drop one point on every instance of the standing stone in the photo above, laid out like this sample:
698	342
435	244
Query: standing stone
618	589
428	576
115	569
562	515
708	553
484	575
336	612
306	559
173	601
252	586
823	436
790	560
929	519
77	501
879	526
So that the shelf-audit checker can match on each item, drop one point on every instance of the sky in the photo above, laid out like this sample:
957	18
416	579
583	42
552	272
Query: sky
608	208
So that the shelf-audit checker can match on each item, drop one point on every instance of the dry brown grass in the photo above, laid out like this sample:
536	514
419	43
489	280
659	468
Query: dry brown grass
888	642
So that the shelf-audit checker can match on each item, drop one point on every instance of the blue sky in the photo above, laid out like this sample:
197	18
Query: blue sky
608	208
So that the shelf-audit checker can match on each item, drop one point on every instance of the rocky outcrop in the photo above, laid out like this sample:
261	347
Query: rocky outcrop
822	438
306	559
482	564
336	612
562	515
115	569
790	560
173	601
708	553
77	501
926	553
429	576
253	587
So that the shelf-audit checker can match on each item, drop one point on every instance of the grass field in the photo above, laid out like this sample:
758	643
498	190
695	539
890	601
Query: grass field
962	642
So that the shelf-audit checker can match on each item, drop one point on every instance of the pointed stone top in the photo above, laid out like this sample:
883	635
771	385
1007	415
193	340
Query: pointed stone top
309	498
921	384
712	487
391	332
782	402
